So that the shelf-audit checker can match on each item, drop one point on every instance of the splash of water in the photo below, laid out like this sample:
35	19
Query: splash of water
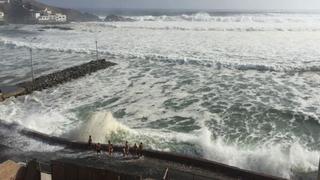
277	159
101	125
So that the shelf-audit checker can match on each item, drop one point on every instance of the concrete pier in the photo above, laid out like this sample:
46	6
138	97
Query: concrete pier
54	79
156	158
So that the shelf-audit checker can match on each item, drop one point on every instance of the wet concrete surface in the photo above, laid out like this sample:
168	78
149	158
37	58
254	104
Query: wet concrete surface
145	167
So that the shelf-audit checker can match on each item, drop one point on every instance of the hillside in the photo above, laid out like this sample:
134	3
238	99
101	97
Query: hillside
17	11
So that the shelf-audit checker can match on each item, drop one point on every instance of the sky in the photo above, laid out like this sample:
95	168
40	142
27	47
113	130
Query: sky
191	4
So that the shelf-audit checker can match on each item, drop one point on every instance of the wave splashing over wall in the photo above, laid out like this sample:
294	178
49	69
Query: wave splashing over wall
276	159
101	126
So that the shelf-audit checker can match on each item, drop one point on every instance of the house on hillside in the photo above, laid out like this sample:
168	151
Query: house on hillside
4	1
1	17
46	17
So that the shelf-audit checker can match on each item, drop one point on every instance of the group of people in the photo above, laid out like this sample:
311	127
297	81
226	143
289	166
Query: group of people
134	150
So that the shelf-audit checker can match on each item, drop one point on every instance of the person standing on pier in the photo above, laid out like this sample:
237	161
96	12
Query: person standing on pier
126	149
135	149
140	149
98	148
90	141
110	148
1	96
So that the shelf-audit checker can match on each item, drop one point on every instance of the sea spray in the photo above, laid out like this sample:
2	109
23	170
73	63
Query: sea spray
102	126
276	159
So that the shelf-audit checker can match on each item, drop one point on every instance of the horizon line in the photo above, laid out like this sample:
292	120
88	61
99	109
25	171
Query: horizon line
199	9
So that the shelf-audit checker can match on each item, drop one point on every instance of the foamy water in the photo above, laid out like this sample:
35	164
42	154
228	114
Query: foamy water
241	89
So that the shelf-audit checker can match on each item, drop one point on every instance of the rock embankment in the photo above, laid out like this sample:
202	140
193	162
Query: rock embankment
115	18
56	78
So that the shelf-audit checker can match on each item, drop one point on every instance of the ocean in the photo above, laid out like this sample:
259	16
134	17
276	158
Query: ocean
237	88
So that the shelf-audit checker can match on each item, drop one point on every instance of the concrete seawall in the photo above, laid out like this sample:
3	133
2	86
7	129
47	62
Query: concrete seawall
212	166
54	79
155	158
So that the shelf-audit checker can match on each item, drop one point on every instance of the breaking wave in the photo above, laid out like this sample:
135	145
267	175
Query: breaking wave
235	17
101	126
215	64
279	160
199	27
223	22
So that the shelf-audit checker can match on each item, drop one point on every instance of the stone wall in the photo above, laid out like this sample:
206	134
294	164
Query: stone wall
59	77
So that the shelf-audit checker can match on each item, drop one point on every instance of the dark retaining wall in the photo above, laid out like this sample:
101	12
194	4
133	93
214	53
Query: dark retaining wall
230	171
59	77
68	171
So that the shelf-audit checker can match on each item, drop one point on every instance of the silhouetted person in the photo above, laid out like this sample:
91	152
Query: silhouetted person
135	149
90	141
126	149
110	148
98	148
140	149
1	96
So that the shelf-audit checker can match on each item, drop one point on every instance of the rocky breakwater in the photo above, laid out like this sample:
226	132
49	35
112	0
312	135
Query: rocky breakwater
115	18
59	77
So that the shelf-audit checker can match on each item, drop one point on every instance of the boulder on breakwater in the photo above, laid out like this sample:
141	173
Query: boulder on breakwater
115	18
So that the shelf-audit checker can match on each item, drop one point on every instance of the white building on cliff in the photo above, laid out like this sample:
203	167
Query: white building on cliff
4	1
1	17
47	16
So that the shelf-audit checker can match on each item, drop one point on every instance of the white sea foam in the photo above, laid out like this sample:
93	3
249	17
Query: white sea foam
42	119
100	126
272	159
277	160
234	17
209	26
256	52
205	61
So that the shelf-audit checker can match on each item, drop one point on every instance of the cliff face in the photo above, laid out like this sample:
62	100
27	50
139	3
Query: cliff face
73	15
17	12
